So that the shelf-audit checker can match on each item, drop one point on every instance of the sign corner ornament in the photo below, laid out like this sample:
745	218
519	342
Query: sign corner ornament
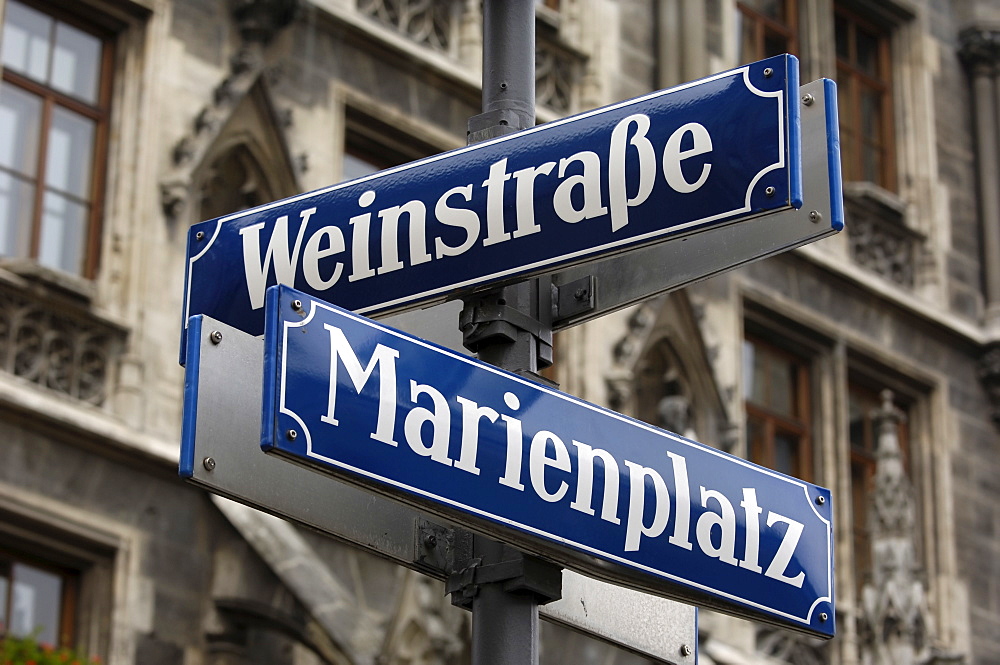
714	152
591	489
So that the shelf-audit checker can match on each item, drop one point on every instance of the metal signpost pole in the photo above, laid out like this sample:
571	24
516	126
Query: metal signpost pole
506	329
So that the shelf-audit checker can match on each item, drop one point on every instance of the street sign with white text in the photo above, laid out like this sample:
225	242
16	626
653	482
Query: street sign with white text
223	422
657	169
586	487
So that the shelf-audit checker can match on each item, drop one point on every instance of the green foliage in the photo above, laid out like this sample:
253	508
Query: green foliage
27	651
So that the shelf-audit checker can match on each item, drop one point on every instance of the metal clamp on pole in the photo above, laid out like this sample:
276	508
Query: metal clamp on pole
516	572
498	318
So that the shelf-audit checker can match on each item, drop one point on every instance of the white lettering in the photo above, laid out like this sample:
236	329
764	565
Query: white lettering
256	271
457	217
313	253
589	180
617	196
538	461
585	482
385	359
439	420
673	156
635	526
726	551
786	550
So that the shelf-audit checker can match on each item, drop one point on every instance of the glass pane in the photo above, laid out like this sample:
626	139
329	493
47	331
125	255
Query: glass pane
773	9
4	590
76	62
871	114
755	442
786	454
774	44
69	159
26	34
356	167
748	38
782	397
20	115
871	163
856	415
64	224
16	200
867	52
35	606
842	38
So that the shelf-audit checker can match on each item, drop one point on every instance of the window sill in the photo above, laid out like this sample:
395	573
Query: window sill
23	272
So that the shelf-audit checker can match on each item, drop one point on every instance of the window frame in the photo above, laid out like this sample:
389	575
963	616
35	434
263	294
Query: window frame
773	422
851	79
69	594
100	114
764	25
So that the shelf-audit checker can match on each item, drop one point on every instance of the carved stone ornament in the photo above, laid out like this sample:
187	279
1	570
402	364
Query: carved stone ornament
893	624
430	23
260	20
989	375
980	47
56	347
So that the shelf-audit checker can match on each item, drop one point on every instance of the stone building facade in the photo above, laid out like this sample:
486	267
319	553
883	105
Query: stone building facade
868	362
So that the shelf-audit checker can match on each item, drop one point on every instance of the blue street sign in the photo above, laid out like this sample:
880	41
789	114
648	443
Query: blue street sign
549	473
662	167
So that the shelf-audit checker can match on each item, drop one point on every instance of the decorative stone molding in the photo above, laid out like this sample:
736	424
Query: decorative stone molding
878	237
621	380
980	47
989	375
430	23
557	70
259	20
893	623
65	349
787	647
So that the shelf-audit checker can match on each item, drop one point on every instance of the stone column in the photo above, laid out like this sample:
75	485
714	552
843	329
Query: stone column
980	51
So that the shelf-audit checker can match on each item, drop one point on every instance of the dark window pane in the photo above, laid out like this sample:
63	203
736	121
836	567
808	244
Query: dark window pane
64	223
773	9
842	37
748	38
35	606
357	167
16	198
867	47
782	384
20	116
856	416
4	590
774	45
70	153
755	439
871	114
76	62
26	35
786	454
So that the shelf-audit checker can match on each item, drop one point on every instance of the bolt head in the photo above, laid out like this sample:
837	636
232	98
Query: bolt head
768	72
815	216
769	191
686	650
200	235
823	616
215	336
821	500
808	100
292	435
296	305
208	463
